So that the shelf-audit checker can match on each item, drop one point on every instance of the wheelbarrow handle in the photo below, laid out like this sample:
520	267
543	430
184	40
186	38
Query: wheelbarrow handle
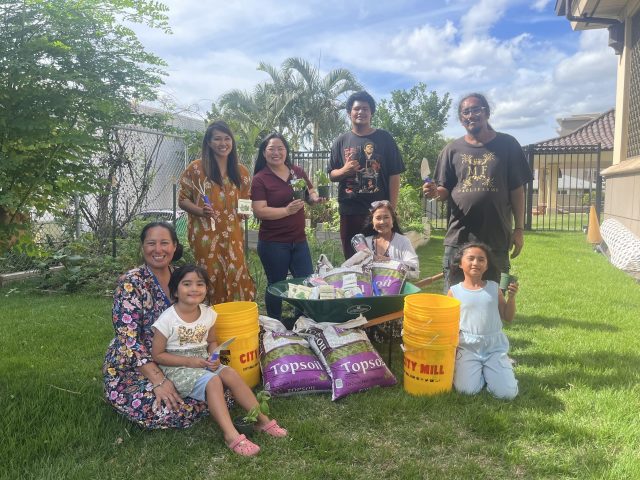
429	280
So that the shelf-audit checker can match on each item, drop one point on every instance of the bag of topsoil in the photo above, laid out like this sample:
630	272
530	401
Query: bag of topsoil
287	362
388	277
347	354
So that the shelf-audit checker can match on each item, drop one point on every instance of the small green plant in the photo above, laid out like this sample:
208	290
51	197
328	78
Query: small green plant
299	184
252	415
322	179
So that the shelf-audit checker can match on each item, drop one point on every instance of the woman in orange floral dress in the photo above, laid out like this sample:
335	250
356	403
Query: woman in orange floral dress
209	191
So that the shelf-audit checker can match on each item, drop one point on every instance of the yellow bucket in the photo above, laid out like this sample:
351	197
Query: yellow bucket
431	307
428	369
236	312
240	320
430	337
431	312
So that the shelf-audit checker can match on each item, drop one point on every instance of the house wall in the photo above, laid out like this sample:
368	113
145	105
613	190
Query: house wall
622	200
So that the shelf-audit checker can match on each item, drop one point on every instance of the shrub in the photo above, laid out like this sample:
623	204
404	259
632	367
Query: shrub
409	209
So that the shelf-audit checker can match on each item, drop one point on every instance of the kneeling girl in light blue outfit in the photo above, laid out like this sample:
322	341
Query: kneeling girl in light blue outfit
183	338
481	357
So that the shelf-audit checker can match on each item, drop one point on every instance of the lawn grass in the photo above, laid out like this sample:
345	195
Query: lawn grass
574	338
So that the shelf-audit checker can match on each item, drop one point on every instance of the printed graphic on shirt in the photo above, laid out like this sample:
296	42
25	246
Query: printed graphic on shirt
366	180
475	169
192	335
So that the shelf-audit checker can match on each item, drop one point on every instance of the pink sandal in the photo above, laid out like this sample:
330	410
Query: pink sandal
272	428
243	446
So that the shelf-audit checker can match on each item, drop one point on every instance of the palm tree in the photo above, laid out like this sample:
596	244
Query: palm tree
295	101
319	100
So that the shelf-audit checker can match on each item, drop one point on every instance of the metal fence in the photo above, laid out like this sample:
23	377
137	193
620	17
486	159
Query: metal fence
138	171
566	183
312	163
141	168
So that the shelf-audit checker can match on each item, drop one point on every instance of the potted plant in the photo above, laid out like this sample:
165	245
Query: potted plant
322	183
245	423
299	187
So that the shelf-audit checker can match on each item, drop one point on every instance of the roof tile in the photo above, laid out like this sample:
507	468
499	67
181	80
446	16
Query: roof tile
597	131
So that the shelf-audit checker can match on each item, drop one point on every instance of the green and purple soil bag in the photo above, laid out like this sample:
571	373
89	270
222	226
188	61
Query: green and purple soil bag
347	354
388	277
288	364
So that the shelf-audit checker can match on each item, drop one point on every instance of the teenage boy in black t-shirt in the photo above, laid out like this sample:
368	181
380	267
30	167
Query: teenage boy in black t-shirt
367	164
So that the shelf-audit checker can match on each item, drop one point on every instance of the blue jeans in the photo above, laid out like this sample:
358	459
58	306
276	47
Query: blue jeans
278	259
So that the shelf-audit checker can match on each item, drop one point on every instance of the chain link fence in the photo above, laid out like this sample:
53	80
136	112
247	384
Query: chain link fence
139	172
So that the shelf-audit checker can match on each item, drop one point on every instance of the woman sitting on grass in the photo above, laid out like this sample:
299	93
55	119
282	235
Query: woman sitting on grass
133	383
184	338
481	357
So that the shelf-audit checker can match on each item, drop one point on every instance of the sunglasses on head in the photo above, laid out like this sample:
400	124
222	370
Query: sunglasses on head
380	203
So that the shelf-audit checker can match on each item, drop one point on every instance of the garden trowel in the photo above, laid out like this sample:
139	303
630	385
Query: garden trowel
216	353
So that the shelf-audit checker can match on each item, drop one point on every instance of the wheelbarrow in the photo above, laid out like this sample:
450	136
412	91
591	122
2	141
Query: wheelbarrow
376	310
341	310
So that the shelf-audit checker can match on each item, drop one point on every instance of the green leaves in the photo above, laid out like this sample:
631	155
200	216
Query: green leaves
295	101
263	398
415	119
69	72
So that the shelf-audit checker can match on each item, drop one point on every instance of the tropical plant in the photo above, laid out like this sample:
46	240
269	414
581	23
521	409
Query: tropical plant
262	407
318	100
295	101
298	184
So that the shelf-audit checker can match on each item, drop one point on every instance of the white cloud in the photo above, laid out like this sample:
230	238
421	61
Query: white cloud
540	5
482	16
529	77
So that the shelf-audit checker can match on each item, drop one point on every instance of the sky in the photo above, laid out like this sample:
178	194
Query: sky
528	62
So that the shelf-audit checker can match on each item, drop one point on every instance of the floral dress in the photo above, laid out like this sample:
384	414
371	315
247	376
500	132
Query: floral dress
138	302
219	248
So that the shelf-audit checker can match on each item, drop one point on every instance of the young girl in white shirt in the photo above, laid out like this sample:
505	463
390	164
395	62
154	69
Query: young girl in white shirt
184	337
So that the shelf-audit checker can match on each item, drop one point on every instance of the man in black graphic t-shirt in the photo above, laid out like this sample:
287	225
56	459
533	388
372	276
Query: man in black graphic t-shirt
367	164
482	176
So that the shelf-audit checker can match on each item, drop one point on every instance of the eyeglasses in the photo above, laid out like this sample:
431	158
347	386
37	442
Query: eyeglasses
380	203
467	112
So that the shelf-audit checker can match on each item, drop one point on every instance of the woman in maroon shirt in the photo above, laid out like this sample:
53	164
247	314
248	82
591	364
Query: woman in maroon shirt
282	242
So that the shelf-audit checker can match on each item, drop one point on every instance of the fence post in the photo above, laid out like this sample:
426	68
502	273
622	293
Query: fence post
175	199
598	184
529	202
114	217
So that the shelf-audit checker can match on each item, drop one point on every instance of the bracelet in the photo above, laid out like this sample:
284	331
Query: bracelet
519	228
153	387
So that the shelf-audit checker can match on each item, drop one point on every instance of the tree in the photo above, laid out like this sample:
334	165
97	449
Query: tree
318	101
296	101
415	119
70	71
